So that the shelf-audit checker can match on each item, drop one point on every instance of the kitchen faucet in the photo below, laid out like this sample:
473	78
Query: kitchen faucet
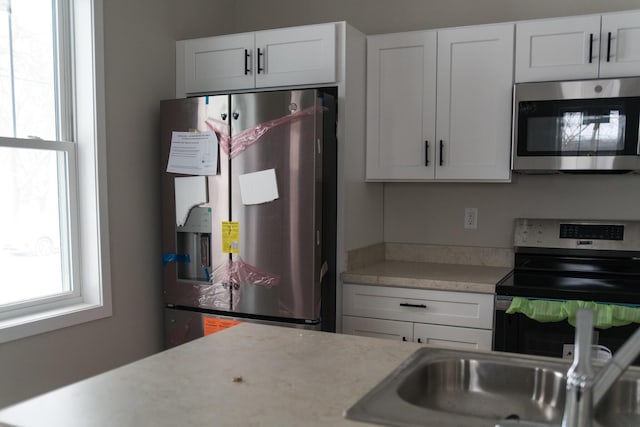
585	390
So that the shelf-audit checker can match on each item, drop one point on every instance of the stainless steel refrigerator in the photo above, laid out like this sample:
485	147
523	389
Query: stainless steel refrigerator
254	239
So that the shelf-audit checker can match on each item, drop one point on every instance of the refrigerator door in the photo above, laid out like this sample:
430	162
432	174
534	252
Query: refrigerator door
280	243
199	238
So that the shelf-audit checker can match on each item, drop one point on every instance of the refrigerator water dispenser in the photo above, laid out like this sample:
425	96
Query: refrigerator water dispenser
194	240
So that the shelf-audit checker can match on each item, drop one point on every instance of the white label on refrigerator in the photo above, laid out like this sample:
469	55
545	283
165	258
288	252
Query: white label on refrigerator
193	153
258	187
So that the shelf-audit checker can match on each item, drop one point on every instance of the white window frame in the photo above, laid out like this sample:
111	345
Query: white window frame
87	171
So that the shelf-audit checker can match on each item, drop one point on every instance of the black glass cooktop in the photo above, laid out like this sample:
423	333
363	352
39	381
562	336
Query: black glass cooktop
590	279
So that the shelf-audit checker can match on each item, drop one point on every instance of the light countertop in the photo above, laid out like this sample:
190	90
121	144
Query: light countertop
429	275
247	375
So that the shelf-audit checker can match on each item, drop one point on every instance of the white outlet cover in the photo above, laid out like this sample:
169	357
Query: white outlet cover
471	218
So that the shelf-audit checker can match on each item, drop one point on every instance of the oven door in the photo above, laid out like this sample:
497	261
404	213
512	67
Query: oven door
516	333
595	129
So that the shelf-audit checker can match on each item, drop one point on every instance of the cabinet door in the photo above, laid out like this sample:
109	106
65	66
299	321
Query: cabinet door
451	336
377	328
620	45
558	49
401	79
475	79
218	63
294	56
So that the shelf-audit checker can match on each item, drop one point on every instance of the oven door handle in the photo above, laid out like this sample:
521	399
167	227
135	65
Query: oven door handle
503	303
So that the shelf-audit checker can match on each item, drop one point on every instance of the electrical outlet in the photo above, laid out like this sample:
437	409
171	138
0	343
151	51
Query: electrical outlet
470	217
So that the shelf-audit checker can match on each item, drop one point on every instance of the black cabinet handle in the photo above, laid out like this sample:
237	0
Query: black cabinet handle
246	62
426	153
609	46
590	48
406	304
419	340
260	55
441	151
404	338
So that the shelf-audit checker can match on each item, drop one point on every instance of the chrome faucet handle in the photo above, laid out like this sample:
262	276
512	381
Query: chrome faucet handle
584	389
578	409
616	366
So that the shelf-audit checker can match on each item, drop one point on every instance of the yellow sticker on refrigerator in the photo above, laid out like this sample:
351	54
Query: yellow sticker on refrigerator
231	237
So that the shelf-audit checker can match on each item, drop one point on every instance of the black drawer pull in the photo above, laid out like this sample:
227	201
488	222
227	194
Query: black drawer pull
441	151
406	304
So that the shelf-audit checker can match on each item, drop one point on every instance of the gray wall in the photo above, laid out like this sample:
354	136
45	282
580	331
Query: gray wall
140	70
139	56
385	16
433	212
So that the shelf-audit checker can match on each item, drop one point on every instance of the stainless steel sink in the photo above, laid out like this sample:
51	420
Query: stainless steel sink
438	387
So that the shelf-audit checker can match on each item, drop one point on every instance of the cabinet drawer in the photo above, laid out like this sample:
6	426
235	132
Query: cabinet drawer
452	336
419	305
377	328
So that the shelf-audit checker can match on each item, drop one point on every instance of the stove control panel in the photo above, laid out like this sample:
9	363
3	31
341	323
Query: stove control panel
592	231
577	234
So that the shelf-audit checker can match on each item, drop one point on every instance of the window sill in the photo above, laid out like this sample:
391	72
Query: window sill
46	321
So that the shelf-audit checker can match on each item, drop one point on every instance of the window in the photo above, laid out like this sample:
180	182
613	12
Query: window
53	230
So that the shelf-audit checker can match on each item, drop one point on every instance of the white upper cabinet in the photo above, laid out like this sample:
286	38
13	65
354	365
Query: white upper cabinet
295	56
439	104
401	115
475	81
620	45
271	58
584	47
218	62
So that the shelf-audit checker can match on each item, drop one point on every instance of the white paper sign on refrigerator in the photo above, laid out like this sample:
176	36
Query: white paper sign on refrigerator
193	153
258	187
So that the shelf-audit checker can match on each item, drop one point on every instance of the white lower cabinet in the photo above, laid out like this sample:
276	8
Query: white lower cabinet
452	336
377	328
443	318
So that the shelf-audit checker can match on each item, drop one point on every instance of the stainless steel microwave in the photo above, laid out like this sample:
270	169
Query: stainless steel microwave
588	125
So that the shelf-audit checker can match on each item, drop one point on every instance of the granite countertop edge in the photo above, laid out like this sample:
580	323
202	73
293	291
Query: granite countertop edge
428	275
